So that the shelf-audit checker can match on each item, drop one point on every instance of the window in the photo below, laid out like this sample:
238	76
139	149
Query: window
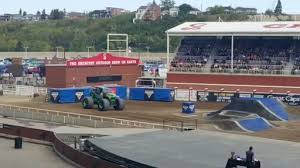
96	79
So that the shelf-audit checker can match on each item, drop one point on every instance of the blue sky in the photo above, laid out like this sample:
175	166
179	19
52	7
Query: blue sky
31	6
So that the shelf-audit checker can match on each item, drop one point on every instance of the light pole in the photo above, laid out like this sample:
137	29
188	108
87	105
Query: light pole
119	48
148	51
57	48
26	51
89	47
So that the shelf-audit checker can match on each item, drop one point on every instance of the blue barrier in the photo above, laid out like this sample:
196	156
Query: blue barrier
163	94
188	107
137	94
255	124
120	91
68	95
152	94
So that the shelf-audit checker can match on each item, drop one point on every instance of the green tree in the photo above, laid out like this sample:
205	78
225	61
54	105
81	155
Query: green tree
56	14
269	12
20	11
38	13
185	9
216	10
278	8
167	4
44	15
19	46
24	13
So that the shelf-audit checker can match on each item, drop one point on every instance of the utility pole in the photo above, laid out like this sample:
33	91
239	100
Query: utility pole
26	52
57	48
89	47
148	51
119	49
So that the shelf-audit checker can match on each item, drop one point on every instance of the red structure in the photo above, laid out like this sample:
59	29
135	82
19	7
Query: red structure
232	82
101	69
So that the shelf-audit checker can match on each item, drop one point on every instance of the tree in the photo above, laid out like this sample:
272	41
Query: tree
56	14
269	12
278	9
44	15
216	10
19	46
24	13
185	9
20	11
167	4
38	13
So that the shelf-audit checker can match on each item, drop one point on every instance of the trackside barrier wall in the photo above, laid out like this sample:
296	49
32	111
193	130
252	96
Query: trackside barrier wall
222	96
120	91
68	95
255	124
185	95
152	94
74	95
70	154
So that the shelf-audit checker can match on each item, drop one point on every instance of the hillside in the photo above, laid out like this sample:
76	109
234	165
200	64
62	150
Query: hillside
75	35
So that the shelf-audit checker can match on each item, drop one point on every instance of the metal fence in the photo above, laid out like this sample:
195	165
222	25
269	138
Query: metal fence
22	90
79	119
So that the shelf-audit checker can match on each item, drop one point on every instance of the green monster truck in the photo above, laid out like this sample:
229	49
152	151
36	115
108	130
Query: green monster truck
104	99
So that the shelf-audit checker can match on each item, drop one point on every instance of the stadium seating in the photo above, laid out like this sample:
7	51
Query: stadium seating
255	55
192	54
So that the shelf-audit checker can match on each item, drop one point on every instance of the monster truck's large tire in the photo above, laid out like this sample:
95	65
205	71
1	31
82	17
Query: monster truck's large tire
120	104
87	103
103	105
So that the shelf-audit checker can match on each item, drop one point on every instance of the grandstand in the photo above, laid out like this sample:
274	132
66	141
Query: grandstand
243	48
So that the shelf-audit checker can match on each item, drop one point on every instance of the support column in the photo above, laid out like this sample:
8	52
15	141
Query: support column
108	41
232	52
127	46
168	51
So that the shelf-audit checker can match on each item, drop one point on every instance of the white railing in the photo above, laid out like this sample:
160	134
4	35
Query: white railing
72	118
22	90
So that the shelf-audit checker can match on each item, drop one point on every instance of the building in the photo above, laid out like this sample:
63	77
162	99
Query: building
75	15
195	11
150	12
100	14
116	11
5	18
174	11
101	69
248	11
18	17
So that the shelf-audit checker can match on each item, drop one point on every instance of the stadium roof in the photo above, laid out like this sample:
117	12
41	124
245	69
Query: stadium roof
236	29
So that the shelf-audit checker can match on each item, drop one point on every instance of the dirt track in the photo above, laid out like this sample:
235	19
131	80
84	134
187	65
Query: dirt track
156	112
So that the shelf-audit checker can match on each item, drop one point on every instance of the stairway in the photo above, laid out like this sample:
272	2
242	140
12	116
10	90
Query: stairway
210	60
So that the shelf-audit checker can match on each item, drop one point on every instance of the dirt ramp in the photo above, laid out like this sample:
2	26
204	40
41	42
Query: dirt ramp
269	109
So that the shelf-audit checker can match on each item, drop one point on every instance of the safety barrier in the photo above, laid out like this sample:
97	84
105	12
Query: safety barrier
78	119
152	94
22	90
80	159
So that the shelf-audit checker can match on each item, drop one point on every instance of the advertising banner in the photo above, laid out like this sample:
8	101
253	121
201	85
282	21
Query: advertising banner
226	97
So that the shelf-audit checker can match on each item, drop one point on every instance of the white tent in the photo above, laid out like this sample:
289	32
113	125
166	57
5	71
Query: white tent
233	29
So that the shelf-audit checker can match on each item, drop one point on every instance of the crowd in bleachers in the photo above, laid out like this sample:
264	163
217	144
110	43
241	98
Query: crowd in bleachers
251	55
296	68
192	55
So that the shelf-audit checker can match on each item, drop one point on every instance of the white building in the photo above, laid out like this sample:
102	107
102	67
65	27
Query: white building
174	11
